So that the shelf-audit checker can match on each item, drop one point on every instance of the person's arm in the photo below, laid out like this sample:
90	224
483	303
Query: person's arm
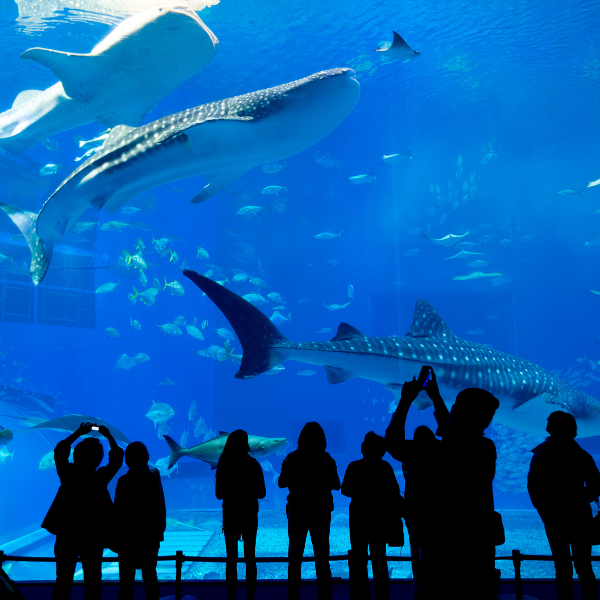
163	507
63	448
395	435
220	483
440	410
592	480
348	487
115	454
261	490
334	480
285	475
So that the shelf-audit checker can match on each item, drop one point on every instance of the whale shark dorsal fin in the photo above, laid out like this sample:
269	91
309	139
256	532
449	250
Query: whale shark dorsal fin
24	97
346	332
116	134
428	323
73	70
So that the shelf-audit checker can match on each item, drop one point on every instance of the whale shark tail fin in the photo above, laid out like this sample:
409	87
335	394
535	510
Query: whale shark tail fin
254	329
41	252
176	450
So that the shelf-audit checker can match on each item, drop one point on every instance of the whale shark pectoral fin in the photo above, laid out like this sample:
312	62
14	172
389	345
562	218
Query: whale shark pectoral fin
541	405
75	71
337	375
218	181
130	118
41	252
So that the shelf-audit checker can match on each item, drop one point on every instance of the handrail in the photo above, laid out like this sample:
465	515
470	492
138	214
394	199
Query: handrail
179	557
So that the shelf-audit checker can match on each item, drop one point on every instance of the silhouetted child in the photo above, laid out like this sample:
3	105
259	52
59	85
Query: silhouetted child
240	484
420	465
376	501
310	474
141	519
81	514
563	479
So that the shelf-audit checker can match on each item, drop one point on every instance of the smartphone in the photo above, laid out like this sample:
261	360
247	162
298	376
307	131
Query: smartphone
424	376
94	428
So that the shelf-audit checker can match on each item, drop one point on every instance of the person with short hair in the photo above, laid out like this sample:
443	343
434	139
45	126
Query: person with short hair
141	520
82	511
376	501
310	474
240	484
563	479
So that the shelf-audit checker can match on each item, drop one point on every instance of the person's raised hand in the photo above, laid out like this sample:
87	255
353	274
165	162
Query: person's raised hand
85	428
104	430
431	387
410	390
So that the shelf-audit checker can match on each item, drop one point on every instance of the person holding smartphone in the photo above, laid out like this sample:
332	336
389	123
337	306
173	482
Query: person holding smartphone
81	512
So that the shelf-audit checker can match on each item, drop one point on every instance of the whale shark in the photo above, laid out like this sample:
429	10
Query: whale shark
141	61
527	392
219	140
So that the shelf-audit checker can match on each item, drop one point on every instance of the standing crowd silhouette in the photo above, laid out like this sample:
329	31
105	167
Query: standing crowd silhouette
448	505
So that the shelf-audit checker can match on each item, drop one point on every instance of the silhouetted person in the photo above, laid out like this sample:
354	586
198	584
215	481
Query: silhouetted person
82	511
376	500
141	519
240	484
563	479
310	474
420	465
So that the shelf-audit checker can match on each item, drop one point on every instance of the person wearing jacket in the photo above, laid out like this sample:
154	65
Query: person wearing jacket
82	511
141	520
376	500
240	484
310	474
563	479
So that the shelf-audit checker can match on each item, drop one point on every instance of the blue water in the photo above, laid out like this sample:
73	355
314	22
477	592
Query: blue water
519	77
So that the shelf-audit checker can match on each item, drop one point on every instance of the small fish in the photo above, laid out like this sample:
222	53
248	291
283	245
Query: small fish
572	192
89	153
156	282
273	189
97	140
336	306
51	145
160	413
486	159
272	168
141	358
204	324
477	331
476	275
350	290
362	179
274	370
396	159
142	226
111	332
170	329
162	465
148	297
107	287
251	210
258	282
442	218
505	242
307	373
224	333
324	330
194	332
464	254
162	430
82	226
240	277
329	236
412	252
49	169
114	226
180	320
175	287
167	381
143	279
183	440
130	210
200	427
192	411
484	239
135	324
160	245
526	238
275	297
278	318
254	299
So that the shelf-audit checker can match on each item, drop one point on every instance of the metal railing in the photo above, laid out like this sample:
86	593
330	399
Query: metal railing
179	557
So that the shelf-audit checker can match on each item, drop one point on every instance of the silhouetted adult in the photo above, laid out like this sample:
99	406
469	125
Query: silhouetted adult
81	514
420	464
141	518
310	474
376	500
240	484
562	481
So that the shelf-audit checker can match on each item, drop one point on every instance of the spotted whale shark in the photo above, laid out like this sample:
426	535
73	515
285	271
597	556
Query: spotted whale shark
136	65
219	140
527	392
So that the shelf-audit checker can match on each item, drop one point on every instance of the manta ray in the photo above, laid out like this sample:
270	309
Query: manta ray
527	392
140	62
219	140
399	49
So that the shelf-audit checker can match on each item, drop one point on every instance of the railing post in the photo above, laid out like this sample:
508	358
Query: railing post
516	556
178	567
2	559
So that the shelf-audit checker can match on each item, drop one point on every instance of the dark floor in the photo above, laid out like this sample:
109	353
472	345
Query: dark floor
275	590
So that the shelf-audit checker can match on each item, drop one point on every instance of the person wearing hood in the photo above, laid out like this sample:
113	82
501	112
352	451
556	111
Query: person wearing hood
562	481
